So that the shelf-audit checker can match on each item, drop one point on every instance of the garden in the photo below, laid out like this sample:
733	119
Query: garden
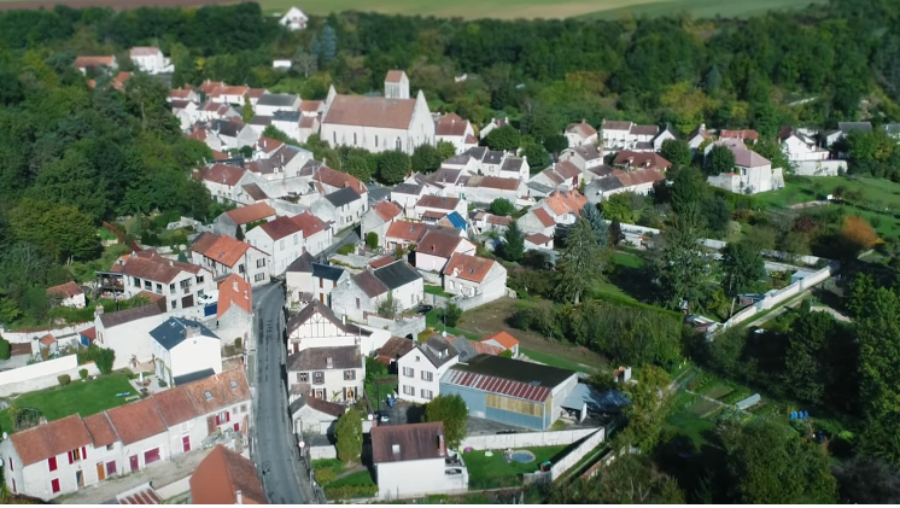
490	469
340	483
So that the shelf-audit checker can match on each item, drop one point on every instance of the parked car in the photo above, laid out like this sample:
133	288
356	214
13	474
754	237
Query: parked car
208	298
424	309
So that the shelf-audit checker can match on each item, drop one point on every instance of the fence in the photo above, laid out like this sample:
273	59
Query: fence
568	461
41	375
526	439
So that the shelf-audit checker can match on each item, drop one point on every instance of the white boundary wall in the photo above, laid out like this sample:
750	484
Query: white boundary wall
42	375
525	439
24	337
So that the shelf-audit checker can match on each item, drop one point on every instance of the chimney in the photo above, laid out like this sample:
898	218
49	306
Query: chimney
329	363
191	331
344	319
239	497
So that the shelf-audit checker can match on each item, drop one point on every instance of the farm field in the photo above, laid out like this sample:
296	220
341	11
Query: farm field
470	9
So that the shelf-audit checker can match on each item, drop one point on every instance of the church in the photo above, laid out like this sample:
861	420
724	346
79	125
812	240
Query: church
379	124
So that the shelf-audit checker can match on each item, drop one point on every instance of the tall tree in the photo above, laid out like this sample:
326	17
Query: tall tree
690	189
393	167
651	402
680	264
719	160
505	138
349	436
598	225
514	243
445	150
425	159
676	151
581	262
452	410
743	266
864	480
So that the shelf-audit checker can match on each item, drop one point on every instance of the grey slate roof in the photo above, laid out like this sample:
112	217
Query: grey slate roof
327	272
277	99
437	350
174	331
478	152
342	197
286	116
397	274
226	128
512	164
316	358
193	376
408	188
303	264
493	157
261	120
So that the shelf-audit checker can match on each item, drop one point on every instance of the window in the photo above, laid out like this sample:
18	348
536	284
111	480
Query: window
427	376
15	489
171	289
110	447
185	284
54	485
357	303
296	239
409	372
12	464
426	394
318	378
136	282
174	304
399	145
409	390
261	263
320	282
376	141
51	463
349	375
259	277
148	286
241	268
334	137
159	288
354	139
243	408
303	377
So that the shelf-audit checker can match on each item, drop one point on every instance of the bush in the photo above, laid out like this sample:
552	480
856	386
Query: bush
83	373
452	315
162	383
372	240
64	379
501	206
347	249
5	349
103	358
350	491
237	343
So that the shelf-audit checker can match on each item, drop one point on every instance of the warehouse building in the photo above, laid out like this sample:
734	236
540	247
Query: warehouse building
510	391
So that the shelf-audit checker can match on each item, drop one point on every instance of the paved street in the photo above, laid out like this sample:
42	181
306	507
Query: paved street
277	456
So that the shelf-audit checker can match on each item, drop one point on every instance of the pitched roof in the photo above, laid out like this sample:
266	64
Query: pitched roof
342	197
583	129
371	112
175	406
309	223
121	317
644	130
323	406
234	292
505	376
136	421
408	188
221	475
224	174
394	76
83	62
471	268
277	99
387	210
250	213
503	338
739	134
157	268
255	192
47	340
315	307
303	264
397	274
203	242
382	261
225	389
394	349
49	440
67	290
406	230
339	179
412	441
567	169
562	202
369	283
175	330
437	350
612	125
544	217
101	430
144	51
327	272
316	358
280	227
588	152
310	106
493	182
641	160
440	202
438	244
538	239
450	124
468	349
226	250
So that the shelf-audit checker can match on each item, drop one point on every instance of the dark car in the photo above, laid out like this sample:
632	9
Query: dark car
508	432
424	309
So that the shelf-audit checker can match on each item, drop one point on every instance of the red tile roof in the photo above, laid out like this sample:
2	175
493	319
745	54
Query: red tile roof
157	269
382	261
641	160
280	228
224	174
310	106
538	239
393	349
386	209
406	230
234	291
47	340
563	202
438	244
222	393
503	338
468	267
394	76
739	134
371	112
67	290
544	217
51	439
440	202
225	249
583	129
450	124
309	224
136	421
101	430
251	213
83	62
480	348
221	475
175	406
339	179
484	382
412	441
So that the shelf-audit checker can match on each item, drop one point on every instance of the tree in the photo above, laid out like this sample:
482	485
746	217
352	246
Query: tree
857	235
349	435
453	412
717	215
813	353
426	159
393	167
358	166
743	267
505	138
630	479
445	150
556	143
326	47
5	349
513	248
278	135
372	240
624	207
590	212
615	233
651	402
719	160
676	151
502	206
452	313
306	63
865	480
581	262
690	189
388	308
247	110
535	154
770	465
680	265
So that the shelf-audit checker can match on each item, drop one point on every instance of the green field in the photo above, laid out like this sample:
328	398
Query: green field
513	9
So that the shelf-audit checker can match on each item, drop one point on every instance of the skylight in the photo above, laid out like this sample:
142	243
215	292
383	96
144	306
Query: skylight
208	395
233	383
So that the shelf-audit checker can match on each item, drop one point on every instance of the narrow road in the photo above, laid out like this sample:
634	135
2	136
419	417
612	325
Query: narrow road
277	455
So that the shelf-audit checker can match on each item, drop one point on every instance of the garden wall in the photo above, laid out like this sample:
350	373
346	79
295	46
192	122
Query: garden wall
408	325
322	452
25	336
526	439
42	375
819	168
568	461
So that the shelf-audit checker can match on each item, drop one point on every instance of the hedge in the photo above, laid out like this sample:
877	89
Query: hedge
5	349
350	491
64	379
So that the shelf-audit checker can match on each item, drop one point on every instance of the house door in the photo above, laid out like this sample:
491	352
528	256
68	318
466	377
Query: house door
101	471
187	301
211	424
321	297
186	443
296	347
133	460
79	478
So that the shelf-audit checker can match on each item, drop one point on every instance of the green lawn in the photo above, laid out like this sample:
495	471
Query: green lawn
433	320
492	472
437	291
85	398
357	479
556	361
511	9
627	259
690	425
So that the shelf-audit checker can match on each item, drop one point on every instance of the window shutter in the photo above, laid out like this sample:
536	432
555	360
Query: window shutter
71	458
83	453
51	462
217	419
227	416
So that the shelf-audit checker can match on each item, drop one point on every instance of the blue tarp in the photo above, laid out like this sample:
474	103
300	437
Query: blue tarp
456	220
210	310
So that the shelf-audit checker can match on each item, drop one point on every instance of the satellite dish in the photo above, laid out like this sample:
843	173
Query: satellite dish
371	417
5	435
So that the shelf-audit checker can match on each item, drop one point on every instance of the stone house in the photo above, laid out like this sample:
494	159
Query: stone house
364	292
334	374
578	134
226	255
468	276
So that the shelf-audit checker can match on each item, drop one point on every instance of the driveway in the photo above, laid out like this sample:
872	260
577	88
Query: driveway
276	453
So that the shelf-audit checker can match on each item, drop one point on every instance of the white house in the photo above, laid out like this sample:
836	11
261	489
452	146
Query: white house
537	221
225	255
430	208
271	103
579	134
342	207
127	332
229	222
663	136
234	311
316	326
495	123
378	219
584	157
753	173
563	206
799	147
378	124
453	129
307	280
627	136
364	292
180	283
69	295
468	276
416	450
282	239
437	247
185	351
317	235
699	137
421	369
150	60
335	374
294	19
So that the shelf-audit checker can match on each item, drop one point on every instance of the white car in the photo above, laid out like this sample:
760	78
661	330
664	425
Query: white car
208	298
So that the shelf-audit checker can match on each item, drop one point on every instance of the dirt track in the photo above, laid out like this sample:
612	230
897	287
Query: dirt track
116	4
